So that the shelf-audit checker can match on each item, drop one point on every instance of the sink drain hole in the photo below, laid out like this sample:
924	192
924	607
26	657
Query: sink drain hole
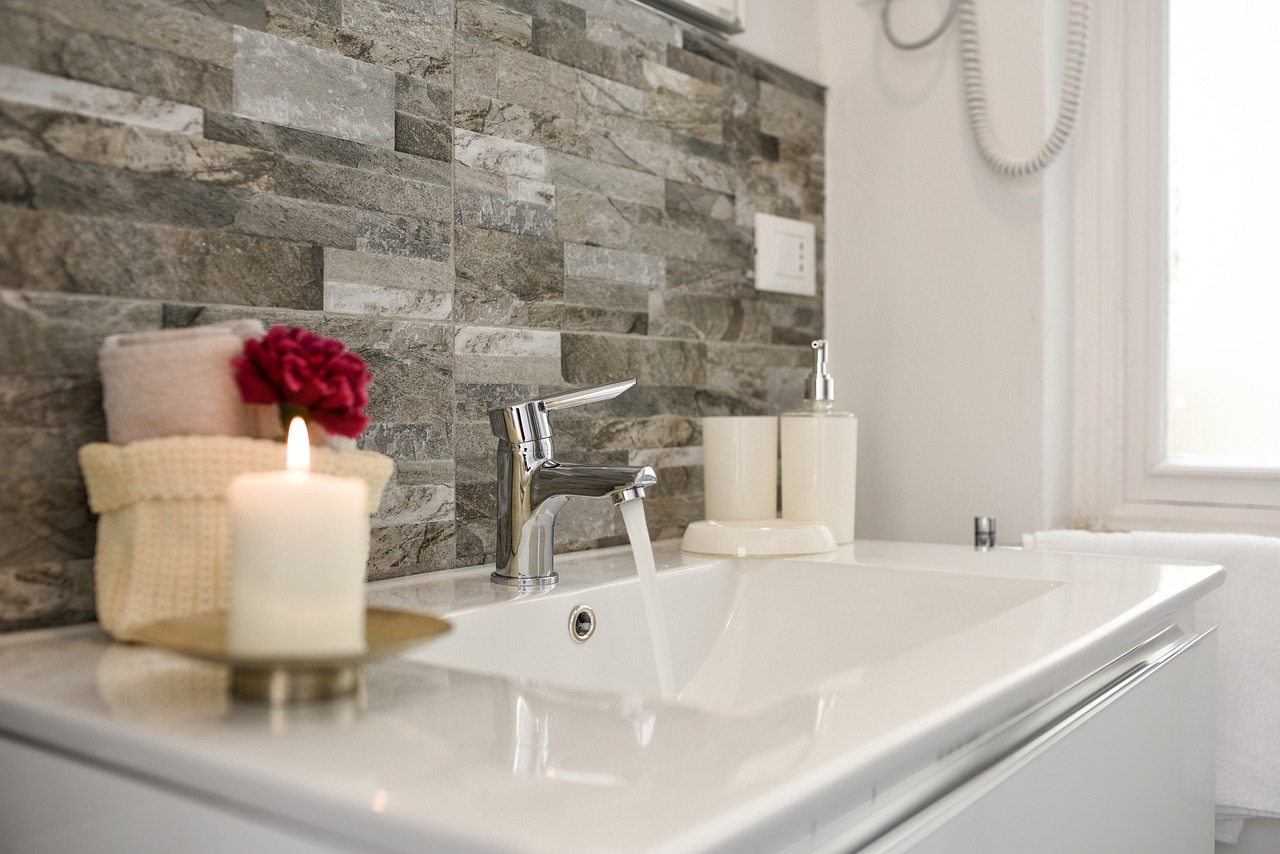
582	624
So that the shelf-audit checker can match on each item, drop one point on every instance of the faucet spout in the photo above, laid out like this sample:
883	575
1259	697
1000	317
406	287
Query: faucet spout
619	482
533	487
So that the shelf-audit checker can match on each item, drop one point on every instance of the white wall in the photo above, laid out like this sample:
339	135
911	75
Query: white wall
947	300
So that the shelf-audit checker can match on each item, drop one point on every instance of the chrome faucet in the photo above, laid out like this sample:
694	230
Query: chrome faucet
533	487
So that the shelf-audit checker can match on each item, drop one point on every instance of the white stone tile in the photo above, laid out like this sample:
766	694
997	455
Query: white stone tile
492	153
381	301
87	99
480	341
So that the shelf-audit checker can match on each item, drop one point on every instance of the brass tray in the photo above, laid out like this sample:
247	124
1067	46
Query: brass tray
291	677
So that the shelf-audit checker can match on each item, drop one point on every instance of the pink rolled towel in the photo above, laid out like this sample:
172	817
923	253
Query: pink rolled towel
177	382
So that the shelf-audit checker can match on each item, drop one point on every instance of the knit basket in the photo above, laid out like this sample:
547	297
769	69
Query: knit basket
164	527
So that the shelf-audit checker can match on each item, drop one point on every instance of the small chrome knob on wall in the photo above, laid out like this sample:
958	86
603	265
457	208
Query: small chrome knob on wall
984	533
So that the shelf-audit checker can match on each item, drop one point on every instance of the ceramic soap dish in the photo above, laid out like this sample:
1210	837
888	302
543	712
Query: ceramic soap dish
757	538
291	678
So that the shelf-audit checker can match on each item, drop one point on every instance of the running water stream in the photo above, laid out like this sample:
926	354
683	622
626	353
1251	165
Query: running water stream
638	533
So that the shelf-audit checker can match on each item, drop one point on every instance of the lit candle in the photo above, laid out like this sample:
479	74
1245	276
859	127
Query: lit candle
299	543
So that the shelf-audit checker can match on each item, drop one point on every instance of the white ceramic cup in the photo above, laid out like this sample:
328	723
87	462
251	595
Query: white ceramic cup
740	466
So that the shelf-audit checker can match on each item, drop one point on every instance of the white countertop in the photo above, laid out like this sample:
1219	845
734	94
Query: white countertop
428	758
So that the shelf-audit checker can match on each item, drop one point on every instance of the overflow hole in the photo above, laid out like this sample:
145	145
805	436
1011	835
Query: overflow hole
582	624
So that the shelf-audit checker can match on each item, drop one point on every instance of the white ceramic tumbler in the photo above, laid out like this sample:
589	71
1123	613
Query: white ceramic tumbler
740	466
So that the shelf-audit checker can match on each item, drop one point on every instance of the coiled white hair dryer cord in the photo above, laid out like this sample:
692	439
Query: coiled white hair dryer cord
975	95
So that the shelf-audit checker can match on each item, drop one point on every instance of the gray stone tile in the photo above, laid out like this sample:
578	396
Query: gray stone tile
687	198
697	276
46	594
19	85
757	376
591	219
485	115
297	220
614	265
112	257
507	279
717	50
475	66
132	148
534	81
629	434
603	95
670	162
568	47
494	154
789	116
405	236
412	443
633	18
167	27
423	137
429	472
246	13
330	184
615	319
625	39
398	551
411	364
44	515
590	359
387	286
507	355
684	103
57	334
710	318
413	504
496	23
424	98
45	44
410	38
579	173
593	293
300	143
498	213
285	83
795	321
326	12
359	268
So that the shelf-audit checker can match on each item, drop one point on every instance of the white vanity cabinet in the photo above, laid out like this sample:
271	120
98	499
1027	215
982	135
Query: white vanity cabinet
1129	772
54	804
887	699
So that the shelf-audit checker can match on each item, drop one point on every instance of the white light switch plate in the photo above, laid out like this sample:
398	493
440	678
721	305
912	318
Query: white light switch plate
786	255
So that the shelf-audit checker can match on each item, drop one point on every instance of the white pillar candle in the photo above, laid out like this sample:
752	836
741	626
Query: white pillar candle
299	544
740	467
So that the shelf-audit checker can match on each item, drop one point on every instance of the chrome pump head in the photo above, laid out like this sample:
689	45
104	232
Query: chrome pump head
819	386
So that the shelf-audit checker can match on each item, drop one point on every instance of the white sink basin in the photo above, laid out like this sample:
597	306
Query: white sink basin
742	634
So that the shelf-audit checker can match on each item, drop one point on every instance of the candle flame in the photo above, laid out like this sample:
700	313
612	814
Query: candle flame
297	449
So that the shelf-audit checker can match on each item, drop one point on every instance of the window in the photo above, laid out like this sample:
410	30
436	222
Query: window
1222	397
1177	366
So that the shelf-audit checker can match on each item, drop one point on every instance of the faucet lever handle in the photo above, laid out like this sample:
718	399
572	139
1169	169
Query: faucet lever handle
590	394
527	421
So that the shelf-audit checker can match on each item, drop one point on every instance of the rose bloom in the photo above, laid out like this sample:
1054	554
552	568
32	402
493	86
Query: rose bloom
296	367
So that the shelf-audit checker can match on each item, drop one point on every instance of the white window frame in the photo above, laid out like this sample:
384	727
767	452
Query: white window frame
1120	481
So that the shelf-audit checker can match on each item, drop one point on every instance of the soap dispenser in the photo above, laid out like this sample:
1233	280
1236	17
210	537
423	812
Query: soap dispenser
820	456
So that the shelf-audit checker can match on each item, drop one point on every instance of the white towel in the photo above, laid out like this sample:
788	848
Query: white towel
1247	611
177	382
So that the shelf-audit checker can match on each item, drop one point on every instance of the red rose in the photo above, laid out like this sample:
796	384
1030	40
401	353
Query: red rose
298	368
